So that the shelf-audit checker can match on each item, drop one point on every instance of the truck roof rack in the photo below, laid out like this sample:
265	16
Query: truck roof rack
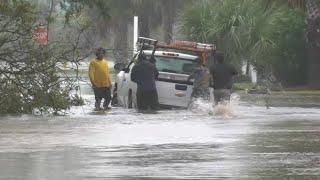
189	46
144	43
147	41
195	47
177	44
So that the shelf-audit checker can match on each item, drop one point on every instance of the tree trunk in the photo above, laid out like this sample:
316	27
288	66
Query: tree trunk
313	54
49	18
144	29
120	42
168	13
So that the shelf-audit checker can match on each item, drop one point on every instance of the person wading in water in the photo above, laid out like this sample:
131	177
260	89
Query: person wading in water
201	76
222	76
144	73
100	79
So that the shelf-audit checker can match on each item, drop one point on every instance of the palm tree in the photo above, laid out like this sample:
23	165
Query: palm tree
236	27
313	34
247	34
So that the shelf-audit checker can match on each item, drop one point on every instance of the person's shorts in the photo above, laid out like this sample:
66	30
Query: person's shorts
221	95
102	93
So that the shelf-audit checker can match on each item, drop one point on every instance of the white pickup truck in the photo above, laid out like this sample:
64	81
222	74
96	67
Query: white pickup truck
172	85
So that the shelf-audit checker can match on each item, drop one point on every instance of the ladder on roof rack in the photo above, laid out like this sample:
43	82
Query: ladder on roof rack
147	42
178	45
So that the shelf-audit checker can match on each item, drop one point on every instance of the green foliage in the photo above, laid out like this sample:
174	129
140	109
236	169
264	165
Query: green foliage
271	39
235	26
11	101
77	100
289	57
30	75
76	8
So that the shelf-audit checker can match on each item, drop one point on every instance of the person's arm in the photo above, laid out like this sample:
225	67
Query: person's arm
193	73
134	74
211	81
108	75
211	70
91	73
191	76
156	72
234	71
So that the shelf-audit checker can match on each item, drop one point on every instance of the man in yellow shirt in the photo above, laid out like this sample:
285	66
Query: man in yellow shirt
100	79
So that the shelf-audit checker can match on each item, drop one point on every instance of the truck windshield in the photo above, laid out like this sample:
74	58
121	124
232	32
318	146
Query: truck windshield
174	65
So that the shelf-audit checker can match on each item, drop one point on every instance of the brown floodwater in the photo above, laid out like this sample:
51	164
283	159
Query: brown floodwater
282	142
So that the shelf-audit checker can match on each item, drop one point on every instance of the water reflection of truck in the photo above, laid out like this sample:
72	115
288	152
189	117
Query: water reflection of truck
174	69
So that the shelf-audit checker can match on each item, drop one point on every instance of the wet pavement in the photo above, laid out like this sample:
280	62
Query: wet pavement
255	143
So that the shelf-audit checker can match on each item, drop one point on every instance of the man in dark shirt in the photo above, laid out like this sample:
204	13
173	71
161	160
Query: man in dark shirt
222	75
144	73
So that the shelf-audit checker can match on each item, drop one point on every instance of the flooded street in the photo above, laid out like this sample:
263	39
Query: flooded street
278	143
58	56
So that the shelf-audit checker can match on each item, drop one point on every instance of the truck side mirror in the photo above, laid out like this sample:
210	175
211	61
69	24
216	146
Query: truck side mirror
119	66
126	70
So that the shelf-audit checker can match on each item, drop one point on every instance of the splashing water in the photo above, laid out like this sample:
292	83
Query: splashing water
224	109
200	106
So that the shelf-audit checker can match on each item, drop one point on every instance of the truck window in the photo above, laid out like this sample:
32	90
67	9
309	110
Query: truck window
174	65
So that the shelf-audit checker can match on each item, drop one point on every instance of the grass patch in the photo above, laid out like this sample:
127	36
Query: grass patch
304	92
243	86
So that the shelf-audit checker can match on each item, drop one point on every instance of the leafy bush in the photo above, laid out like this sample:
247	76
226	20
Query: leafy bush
30	73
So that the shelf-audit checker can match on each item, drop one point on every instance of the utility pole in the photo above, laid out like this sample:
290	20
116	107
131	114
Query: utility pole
135	33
